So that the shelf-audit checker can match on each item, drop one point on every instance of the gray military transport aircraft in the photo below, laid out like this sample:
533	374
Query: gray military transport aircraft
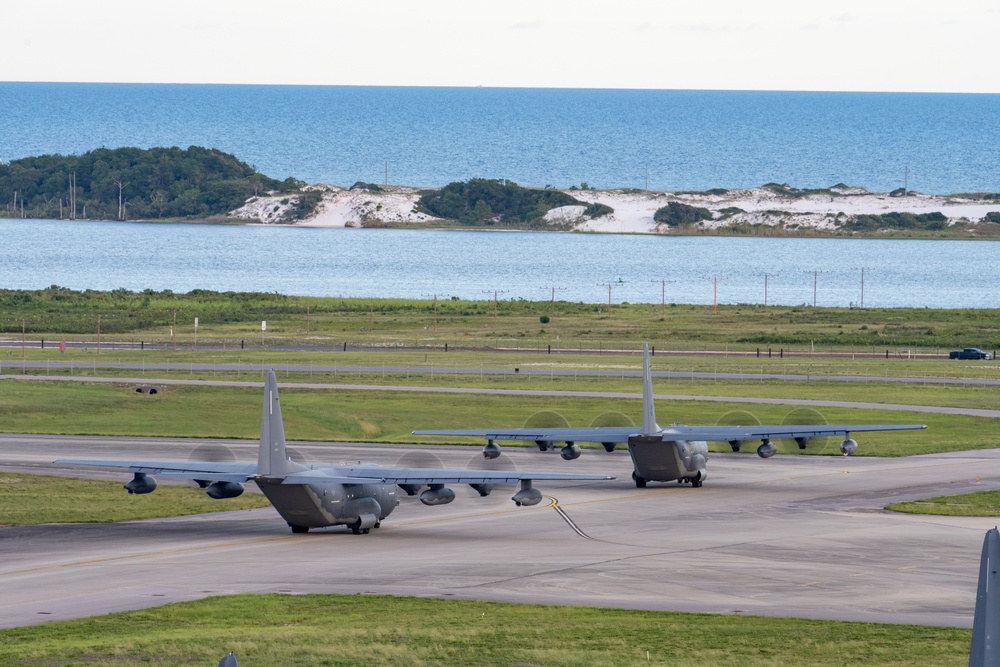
674	453
359	496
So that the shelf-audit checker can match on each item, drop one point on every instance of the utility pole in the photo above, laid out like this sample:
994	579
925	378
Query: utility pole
552	313
98	334
815	275
619	283
663	291
766	276
173	331
862	269
435	297
495	293
715	292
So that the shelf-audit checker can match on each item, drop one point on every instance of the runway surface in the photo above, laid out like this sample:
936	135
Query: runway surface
791	536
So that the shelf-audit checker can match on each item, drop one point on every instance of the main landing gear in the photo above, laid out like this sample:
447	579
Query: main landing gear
640	482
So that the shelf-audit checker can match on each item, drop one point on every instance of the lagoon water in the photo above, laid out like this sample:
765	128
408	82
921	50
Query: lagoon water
519	265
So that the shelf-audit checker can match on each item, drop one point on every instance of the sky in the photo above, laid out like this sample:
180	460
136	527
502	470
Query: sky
848	45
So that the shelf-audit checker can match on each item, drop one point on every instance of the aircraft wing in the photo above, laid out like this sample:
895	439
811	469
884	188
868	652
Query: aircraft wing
198	470
593	434
712	433
363	474
728	433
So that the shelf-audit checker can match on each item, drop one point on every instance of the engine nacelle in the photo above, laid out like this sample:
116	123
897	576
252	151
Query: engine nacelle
219	490
802	442
767	449
698	462
570	452
438	494
482	489
410	489
736	444
491	450
141	483
527	495
848	446
609	446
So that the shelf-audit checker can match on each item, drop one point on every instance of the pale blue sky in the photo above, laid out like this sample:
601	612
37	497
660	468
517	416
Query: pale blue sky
876	45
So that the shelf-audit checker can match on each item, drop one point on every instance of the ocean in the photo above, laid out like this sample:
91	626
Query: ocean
660	139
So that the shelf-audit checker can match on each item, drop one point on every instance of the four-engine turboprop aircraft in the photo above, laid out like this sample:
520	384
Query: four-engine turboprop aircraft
359	496
673	453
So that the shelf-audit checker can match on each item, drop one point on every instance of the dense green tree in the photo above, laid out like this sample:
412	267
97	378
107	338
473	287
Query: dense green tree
676	213
152	183
479	200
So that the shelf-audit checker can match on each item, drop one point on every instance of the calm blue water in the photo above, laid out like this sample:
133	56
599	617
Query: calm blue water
521	265
431	136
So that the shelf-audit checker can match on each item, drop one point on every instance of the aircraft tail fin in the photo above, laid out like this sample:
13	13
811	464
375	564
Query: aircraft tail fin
985	650
272	458
649	425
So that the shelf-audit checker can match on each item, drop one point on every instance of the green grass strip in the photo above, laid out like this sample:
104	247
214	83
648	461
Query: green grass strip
360	630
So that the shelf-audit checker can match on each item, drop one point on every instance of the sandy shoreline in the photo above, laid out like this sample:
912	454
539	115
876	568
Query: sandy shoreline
633	209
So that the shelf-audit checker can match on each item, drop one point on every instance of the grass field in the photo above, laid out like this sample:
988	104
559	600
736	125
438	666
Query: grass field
34	499
229	318
390	416
377	630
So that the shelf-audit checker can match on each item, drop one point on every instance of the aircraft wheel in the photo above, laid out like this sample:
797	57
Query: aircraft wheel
696	483
356	528
299	529
640	482
378	524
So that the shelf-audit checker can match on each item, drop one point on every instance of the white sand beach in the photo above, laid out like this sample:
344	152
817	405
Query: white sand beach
633	209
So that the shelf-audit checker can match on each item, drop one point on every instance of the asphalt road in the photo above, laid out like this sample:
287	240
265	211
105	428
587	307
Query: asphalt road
790	536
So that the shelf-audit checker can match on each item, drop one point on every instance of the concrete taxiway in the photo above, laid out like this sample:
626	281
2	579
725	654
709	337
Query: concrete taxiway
795	535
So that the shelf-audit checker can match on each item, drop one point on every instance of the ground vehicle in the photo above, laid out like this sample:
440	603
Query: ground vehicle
970	353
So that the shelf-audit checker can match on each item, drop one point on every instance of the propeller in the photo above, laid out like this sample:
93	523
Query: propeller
212	453
501	463
417	459
546	419
611	419
803	416
737	418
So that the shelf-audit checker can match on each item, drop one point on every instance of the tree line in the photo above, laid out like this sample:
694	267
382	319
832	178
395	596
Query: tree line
132	183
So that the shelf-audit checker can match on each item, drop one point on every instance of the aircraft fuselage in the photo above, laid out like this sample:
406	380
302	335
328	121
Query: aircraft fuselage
319	505
658	460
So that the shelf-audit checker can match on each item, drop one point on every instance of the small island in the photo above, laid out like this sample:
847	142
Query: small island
208	185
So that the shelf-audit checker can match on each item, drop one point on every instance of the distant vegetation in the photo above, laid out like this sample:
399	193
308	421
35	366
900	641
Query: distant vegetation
133	183
481	201
675	214
935	221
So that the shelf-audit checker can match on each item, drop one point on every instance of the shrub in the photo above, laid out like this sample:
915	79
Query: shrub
675	214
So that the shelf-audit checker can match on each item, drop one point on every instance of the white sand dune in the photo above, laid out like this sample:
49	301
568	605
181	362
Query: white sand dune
633	209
